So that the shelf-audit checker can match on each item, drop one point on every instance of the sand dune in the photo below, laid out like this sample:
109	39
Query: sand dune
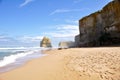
71	64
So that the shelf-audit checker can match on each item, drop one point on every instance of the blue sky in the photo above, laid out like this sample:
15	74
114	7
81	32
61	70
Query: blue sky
25	22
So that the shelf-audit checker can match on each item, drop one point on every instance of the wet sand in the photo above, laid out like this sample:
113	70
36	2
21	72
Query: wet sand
71	64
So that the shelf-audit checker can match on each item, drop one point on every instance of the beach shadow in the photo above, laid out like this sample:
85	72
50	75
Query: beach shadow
98	46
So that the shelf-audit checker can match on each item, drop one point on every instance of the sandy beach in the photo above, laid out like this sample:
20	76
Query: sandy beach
71	64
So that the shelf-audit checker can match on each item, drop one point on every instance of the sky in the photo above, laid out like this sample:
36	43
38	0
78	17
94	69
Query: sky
26	22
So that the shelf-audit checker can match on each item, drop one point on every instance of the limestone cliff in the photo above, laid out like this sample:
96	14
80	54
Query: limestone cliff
45	42
101	28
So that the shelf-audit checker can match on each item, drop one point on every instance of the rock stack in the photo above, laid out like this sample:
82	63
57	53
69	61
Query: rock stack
46	42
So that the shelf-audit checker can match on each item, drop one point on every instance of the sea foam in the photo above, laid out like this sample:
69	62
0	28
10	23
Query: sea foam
13	57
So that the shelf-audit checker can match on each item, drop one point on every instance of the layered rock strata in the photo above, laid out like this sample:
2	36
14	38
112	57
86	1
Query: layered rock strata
100	28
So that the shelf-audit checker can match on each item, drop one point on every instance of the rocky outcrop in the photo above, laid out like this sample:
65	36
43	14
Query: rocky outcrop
45	42
100	28
77	40
66	44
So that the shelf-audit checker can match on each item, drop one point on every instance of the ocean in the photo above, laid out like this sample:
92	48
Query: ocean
11	58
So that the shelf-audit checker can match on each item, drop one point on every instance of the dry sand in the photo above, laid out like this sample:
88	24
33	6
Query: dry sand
71	64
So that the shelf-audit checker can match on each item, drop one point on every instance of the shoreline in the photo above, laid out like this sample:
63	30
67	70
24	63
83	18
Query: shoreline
70	64
50	70
21	62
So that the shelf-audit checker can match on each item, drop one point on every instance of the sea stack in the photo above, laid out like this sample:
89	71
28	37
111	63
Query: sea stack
101	28
46	42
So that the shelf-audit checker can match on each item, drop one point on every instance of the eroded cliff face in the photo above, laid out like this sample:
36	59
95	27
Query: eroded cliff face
102	27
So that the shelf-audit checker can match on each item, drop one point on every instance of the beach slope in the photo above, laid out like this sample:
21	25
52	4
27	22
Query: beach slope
71	64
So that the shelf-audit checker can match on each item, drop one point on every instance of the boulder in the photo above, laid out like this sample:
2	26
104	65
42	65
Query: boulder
66	44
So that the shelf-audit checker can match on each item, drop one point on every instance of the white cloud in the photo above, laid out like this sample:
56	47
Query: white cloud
26	2
21	39
64	31
29	39
8	41
66	10
110	0
77	1
60	11
61	32
4	38
71	21
67	27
